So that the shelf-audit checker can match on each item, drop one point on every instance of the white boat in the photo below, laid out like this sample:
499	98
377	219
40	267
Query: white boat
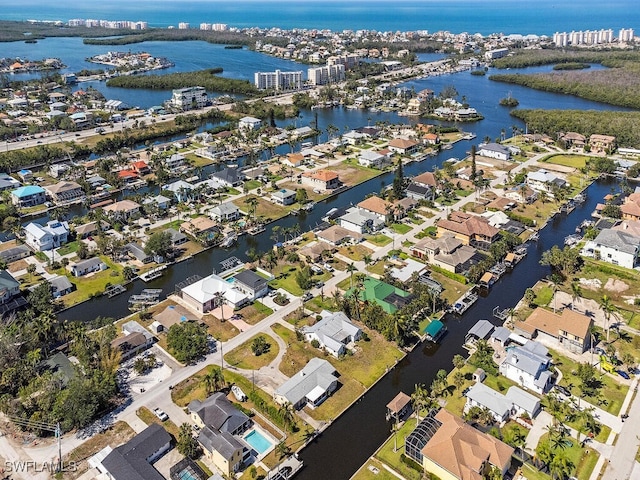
238	393
463	303
229	240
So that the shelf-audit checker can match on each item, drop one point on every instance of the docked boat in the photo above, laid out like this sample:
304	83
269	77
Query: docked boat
435	331
309	206
256	230
580	198
535	236
146	298
572	240
229	240
464	303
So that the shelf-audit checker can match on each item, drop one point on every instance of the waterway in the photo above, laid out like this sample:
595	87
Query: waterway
341	449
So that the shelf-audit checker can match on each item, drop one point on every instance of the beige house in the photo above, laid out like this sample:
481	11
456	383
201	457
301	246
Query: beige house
470	229
321	179
63	192
570	328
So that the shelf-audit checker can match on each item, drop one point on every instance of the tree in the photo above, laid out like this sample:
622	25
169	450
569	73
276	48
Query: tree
350	269
458	361
159	243
128	273
283	450
398	181
564	261
561	465
188	341
259	345
529	296
458	380
285	412
420	399
83	250
301	196
214	380
186	444
31	269
608	309
303	278
576	293
474	172
589	381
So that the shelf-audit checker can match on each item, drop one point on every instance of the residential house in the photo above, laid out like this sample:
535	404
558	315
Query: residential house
354	138
614	246
42	238
321	180
503	407
310	386
170	316
7	182
380	207
225	212
446	252
13	254
137	252
573	140
360	221
336	235
28	196
84	267
177	238
630	208
128	176
252	284
249	123
65	192
210	292
131	344
528	365
522	193
481	330
141	167
180	189
59	365
222	449
9	287
570	329
25	175
423	187
174	162
431	139
545	181
604	144
294	159
333	332
390	298
451	449
284	196
403	146
200	227
60	286
88	229
371	159
470	229
134	459
494	150
315	251
57	170
160	202
229	177
122	210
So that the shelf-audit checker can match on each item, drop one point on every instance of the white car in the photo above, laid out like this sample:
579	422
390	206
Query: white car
161	414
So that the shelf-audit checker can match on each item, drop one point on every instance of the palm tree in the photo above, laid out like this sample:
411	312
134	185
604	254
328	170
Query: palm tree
420	398
608	308
560	466
220	300
286	414
350	269
283	450
213	381
554	406
576	293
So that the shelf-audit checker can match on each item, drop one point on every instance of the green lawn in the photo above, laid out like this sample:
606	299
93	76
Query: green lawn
568	160
394	447
93	284
355	252
366	473
243	357
251	184
400	228
286	278
378	239
70	247
255	312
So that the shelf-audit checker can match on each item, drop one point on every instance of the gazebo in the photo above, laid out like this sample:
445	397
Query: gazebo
399	407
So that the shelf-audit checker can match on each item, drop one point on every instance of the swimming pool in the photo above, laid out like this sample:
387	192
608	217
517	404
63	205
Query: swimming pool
258	441
186	475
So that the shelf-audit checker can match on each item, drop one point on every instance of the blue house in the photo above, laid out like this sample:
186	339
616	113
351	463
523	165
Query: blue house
28	196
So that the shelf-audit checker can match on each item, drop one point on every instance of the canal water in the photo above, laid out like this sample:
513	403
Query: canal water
341	449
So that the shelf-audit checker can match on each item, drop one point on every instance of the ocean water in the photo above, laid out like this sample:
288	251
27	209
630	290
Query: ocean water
542	17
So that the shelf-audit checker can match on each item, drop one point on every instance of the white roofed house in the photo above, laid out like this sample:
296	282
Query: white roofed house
494	150
334	332
42	238
174	162
544	181
369	158
210	292
84	267
512	404
310	386
225	212
249	123
614	246
528	365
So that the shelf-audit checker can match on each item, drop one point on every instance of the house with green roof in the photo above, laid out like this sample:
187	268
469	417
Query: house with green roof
390	298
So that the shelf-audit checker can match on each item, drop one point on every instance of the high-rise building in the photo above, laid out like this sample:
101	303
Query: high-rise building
278	80
189	98
326	74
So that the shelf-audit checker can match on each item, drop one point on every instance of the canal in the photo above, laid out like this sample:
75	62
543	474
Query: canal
343	447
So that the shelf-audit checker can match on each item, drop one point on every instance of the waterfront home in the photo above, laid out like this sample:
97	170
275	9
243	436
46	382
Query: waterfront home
229	177
249	123
470	229
503	407
403	146
371	159
423	187
545	181
284	196
252	284
431	139
614	246
573	140
60	285
137	252
42	238
353	137
128	177
211	292
451	449
315	251
333	332
225	212
64	192
219	423
336	235
13	254
131	344
28	196
321	180
141	167
389	297
494	150
602	144
360	221
310	386
293	159
570	329
134	459
157	201
84	267
88	229
200	227
7	182
177	238
528	365
171	315
522	193
9	287
180	189
122	210
25	175
56	170
447	252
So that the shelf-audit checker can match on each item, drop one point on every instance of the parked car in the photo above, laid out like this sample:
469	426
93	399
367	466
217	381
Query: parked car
319	284
306	297
623	374
161	414
562	390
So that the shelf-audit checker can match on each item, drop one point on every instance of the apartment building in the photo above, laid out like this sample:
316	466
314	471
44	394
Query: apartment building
278	80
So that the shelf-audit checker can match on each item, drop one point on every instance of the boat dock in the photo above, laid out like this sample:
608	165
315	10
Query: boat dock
256	230
464	302
113	290
153	274
146	298
500	314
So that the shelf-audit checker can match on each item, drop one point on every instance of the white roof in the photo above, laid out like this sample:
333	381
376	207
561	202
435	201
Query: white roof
204	290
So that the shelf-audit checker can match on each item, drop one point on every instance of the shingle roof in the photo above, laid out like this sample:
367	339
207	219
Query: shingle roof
618	240
377	205
218	413
222	442
251	279
317	372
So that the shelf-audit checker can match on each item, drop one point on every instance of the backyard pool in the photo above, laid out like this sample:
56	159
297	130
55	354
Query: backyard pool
258	442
